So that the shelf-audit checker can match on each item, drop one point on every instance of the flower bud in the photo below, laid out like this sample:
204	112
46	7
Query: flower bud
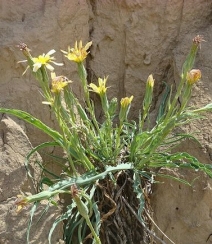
125	107
193	76
148	93
113	106
126	101
150	81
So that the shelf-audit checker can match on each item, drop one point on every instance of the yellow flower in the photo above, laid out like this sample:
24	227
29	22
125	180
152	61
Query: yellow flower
193	76
45	59
21	202
101	89
58	83
126	101
78	53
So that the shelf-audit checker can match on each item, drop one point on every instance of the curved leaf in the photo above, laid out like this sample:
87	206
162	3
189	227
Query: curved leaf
35	122
32	212
89	177
41	146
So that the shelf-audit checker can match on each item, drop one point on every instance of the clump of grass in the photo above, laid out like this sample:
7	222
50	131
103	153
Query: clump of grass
111	164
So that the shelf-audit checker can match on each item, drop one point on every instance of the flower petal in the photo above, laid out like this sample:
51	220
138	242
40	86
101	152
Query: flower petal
46	103
64	52
48	66
87	46
53	75
25	70
59	64
50	52
36	66
80	44
22	61
75	45
94	87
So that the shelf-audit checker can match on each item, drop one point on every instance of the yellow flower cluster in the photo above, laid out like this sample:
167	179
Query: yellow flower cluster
58	83
101	89
45	59
79	53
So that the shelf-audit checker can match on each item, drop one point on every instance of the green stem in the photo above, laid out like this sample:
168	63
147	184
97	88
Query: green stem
173	104
145	113
96	238
185	98
83	77
44	83
83	210
65	131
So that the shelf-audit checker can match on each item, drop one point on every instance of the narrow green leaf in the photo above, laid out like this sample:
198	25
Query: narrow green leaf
41	146
35	122
89	177
43	213
174	178
32	212
163	104
63	217
208	107
139	194
47	171
45	181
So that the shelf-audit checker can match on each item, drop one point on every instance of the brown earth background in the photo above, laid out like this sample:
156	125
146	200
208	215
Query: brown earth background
131	39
